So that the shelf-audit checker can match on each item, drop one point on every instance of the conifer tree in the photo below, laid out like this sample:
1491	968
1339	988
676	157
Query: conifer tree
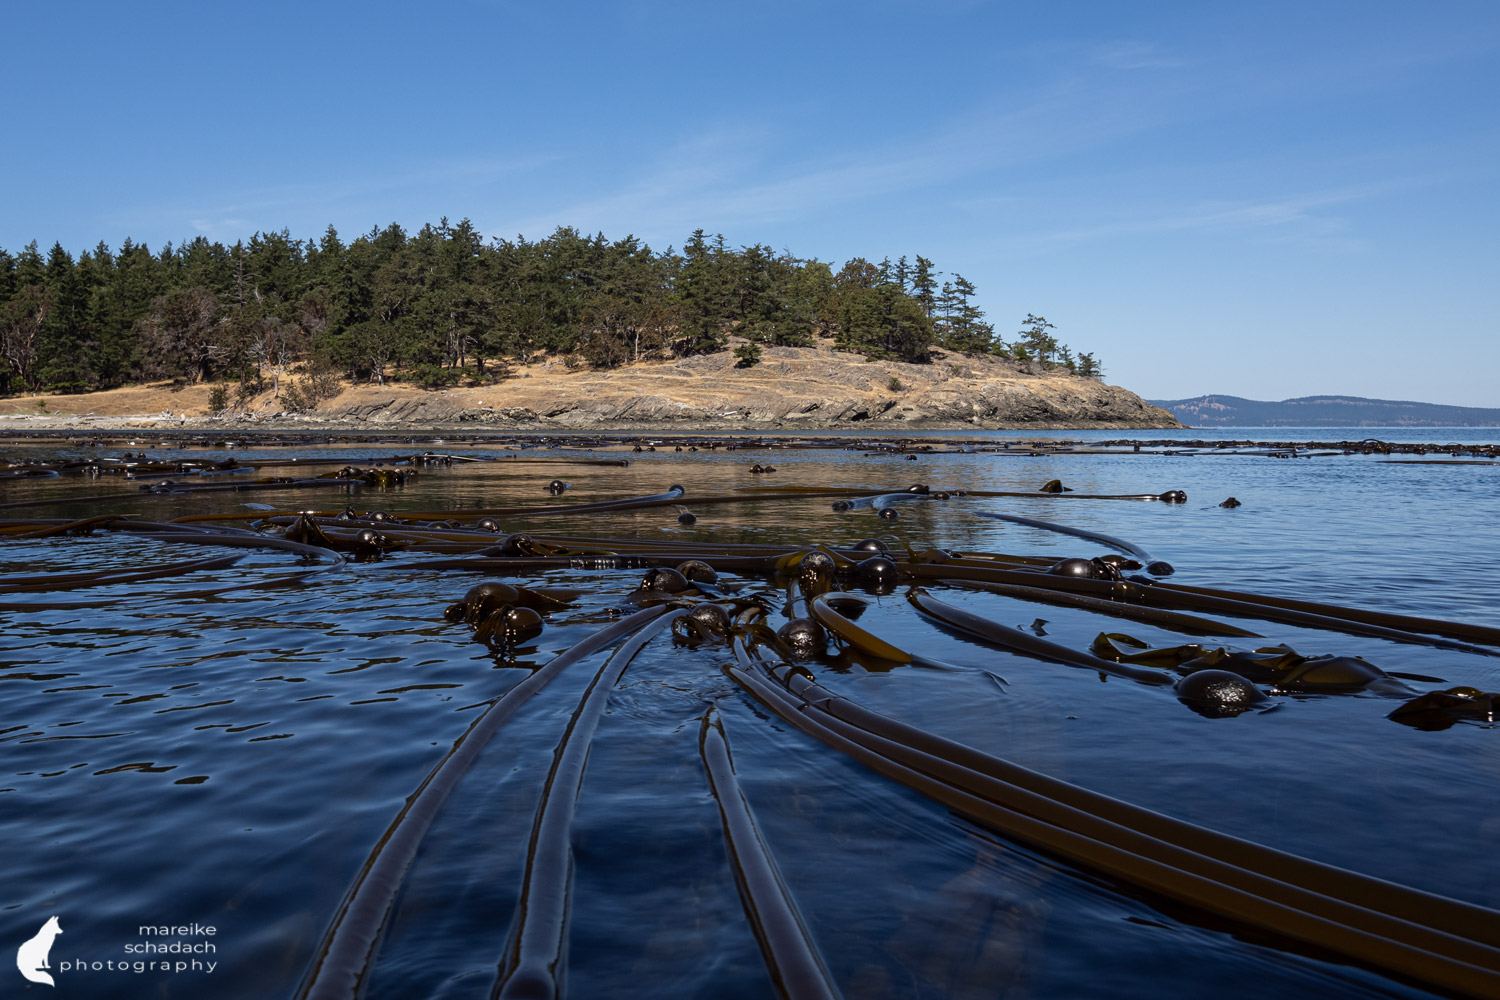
63	349
924	285
702	292
444	301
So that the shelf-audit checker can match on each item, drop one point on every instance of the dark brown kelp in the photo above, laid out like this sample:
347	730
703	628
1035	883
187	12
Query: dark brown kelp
339	966
1438	710
1022	642
1171	620
1417	935
1329	617
530	968
792	958
70	581
1094	536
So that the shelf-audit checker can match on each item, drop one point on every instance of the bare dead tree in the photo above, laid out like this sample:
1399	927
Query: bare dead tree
183	336
20	324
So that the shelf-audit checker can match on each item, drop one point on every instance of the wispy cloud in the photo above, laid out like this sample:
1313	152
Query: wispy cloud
228	215
1124	55
734	174
220	229
1308	220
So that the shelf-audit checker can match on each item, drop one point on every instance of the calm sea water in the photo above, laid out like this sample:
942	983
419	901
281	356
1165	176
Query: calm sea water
233	759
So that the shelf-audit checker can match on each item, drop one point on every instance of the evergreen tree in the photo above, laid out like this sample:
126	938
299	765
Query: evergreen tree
8	276
136	280
856	273
1038	342
808	303
902	274
883	323
963	327
924	286
63	348
444	300
703	291
628	317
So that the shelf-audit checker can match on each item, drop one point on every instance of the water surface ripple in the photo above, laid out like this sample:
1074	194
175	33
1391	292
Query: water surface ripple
234	758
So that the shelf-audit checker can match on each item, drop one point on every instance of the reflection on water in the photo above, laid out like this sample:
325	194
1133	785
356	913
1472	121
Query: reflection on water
234	758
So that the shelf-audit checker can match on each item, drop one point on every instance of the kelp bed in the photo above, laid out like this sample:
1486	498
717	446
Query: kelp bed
774	645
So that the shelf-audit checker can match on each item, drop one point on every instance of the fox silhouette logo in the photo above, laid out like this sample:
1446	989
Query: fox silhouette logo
31	957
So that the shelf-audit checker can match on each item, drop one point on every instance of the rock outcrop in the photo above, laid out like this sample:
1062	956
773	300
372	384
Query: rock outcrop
792	388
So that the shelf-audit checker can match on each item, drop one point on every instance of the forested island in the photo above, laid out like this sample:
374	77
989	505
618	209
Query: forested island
445	307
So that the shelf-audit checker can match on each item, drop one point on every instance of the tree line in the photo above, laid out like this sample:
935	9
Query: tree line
444	304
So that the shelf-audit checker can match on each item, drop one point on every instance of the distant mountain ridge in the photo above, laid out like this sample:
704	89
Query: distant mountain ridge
1324	411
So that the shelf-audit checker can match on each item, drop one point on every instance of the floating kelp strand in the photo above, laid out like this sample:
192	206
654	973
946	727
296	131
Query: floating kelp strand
54	501
651	500
339	966
1404	623
532	963
72	581
796	967
851	633
42	526
1097	536
1023	642
654	500
244	470
979	560
1338	619
530	460
878	502
169	487
1455	961
1415	906
868	491
634	560
801	491
83	526
192	538
1174	621
1148	592
1069	495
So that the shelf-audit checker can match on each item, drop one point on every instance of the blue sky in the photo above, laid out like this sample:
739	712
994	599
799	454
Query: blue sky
1267	200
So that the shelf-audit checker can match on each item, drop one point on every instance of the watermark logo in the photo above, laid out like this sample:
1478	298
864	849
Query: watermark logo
31	957
158	950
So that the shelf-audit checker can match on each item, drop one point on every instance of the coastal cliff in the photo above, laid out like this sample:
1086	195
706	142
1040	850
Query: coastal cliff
813	388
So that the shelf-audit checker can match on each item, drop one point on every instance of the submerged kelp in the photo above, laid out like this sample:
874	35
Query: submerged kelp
641	740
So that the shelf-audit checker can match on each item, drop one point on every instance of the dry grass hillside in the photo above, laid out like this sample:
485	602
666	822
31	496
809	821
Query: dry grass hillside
798	388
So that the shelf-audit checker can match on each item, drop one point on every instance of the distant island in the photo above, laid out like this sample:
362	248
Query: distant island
1324	411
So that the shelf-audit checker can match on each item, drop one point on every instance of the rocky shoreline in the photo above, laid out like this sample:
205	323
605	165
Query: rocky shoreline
792	389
